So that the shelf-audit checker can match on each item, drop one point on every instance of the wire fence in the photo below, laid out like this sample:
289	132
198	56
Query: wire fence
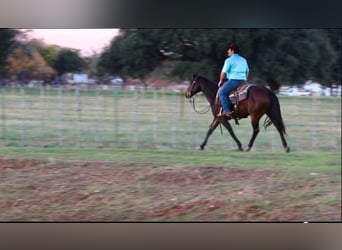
152	118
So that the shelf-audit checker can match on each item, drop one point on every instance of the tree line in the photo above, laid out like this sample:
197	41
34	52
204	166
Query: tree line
289	56
23	60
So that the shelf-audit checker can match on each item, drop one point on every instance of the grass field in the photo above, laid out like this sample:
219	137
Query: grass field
96	162
153	119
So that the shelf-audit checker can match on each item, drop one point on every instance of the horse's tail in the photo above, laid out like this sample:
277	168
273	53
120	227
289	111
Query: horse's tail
274	114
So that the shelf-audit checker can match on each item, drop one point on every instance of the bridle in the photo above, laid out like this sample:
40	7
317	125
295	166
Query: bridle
192	101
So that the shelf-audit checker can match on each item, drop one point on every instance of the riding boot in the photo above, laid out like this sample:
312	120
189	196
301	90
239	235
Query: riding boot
228	114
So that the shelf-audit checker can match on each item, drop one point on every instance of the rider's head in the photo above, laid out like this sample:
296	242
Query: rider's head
234	47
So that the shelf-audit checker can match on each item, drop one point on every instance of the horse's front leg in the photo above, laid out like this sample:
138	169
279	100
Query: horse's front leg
227	125
256	129
211	129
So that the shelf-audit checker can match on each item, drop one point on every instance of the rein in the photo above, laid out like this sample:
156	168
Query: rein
203	111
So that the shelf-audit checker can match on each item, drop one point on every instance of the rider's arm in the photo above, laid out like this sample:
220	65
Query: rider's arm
222	78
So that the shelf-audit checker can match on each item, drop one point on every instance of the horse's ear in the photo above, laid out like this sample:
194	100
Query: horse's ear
194	75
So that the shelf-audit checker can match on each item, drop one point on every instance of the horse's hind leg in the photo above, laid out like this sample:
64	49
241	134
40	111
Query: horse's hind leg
211	129
282	136
227	125
286	147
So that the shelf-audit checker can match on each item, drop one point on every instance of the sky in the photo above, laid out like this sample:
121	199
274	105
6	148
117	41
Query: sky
86	40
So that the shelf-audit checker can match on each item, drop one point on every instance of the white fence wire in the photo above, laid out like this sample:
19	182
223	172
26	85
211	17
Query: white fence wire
115	117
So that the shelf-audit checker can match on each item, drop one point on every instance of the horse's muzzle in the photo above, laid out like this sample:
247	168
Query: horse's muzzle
188	94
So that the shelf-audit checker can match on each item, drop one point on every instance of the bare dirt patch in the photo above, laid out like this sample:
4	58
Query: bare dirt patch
204	175
34	190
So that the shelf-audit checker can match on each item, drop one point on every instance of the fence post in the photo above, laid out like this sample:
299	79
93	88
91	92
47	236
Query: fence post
115	115
193	130
60	116
313	122
23	116
174	122
181	102
96	120
42	114
135	118
155	117
78	110
3	114
273	135
337	123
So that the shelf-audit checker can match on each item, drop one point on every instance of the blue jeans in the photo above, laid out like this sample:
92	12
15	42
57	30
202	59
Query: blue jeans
223	91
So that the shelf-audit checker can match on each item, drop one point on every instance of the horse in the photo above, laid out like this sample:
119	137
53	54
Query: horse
260	100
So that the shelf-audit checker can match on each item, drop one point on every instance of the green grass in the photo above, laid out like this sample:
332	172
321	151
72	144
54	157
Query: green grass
295	161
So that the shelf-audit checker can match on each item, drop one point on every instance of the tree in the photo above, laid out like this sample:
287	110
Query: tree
92	62
7	42
335	37
133	54
25	64
284	56
48	52
69	61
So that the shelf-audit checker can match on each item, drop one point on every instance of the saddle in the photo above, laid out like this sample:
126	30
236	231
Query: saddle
236	96
239	94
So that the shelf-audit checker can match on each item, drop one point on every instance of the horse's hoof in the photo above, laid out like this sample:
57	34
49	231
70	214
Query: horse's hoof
200	147
248	149
287	149
240	149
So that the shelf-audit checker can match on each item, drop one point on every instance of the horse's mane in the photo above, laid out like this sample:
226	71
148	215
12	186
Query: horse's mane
206	79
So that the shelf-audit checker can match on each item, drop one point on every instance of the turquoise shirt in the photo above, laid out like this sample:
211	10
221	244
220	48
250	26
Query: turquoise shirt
235	67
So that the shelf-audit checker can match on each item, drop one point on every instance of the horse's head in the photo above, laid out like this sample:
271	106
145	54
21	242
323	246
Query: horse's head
194	87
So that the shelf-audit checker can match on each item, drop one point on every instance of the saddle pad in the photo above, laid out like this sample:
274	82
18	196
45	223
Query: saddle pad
240	94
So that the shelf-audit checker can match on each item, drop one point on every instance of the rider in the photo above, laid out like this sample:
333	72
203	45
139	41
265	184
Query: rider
235	70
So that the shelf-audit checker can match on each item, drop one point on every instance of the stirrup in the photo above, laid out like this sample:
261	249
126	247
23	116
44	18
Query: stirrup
228	114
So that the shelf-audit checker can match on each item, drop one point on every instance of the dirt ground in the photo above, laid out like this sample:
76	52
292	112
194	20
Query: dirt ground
50	190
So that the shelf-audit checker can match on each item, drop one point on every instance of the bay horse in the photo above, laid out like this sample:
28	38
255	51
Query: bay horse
260	100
